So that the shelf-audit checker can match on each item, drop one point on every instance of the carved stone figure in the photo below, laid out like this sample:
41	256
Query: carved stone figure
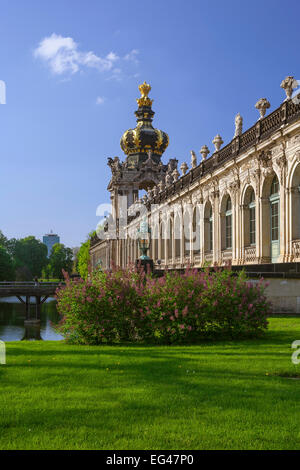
289	84
183	168
161	186
114	165
204	152
218	141
193	159
175	175
238	125
155	191
262	105
149	193
168	179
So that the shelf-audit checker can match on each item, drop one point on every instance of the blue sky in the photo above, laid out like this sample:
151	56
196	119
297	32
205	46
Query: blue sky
72	69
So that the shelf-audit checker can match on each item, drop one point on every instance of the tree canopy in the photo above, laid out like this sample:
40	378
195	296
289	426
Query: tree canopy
84	259
7	271
61	258
31	253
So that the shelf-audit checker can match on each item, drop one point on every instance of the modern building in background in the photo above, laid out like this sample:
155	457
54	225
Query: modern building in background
49	240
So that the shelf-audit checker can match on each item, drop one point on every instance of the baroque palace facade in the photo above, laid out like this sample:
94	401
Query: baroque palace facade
241	205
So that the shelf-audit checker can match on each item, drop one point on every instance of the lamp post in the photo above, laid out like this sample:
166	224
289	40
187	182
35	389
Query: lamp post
144	242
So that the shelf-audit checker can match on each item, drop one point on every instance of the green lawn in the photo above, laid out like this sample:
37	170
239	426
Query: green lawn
224	395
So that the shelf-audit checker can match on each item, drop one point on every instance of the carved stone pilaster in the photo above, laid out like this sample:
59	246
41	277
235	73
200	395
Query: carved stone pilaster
281	162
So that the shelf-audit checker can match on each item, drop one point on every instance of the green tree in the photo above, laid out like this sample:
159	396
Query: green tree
7	271
61	258
32	254
11	246
84	259
3	239
83	256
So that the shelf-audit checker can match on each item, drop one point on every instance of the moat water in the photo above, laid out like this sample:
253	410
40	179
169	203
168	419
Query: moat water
12	317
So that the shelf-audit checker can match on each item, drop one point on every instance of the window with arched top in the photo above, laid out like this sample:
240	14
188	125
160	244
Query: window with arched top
211	229
196	230
274	218
162	238
187	227
169	239
228	224
177	235
252	218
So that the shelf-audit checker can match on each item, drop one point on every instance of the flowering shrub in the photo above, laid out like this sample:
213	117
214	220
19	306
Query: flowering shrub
127	305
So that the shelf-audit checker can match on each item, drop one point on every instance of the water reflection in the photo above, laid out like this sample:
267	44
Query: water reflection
12	317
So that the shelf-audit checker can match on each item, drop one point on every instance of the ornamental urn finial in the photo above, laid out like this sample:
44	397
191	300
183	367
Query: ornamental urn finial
289	84
183	168
262	105
218	141
238	125
204	152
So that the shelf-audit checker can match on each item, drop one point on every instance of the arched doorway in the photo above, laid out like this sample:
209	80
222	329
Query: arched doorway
295	213
208	232
249	225
177	236
274	219
196	230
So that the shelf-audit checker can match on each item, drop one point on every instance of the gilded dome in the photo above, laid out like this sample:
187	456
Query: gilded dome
144	137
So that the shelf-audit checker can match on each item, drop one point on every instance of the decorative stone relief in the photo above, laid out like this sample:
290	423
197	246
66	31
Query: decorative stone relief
281	163
265	159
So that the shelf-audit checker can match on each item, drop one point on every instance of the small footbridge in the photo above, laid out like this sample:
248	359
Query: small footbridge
24	291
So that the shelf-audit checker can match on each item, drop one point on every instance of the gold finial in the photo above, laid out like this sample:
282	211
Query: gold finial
145	89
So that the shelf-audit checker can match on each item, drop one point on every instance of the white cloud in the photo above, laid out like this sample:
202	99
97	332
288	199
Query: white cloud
100	100
62	55
132	56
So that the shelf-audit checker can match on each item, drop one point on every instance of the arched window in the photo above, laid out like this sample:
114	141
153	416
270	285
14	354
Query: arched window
252	218
274	216
228	222
210	229
162	238
187	227
156	243
196	230
177	235
169	239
